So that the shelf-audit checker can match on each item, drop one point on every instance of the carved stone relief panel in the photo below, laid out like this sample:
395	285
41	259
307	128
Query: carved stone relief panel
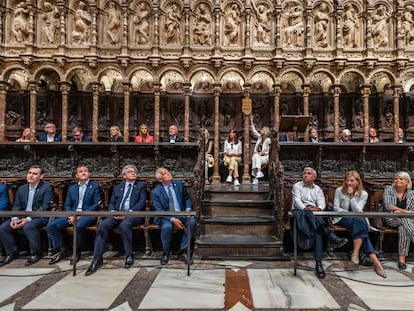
48	23
292	24
322	25
141	23
110	30
172	23
19	22
408	26
232	35
80	24
262	23
381	26
201	24
352	29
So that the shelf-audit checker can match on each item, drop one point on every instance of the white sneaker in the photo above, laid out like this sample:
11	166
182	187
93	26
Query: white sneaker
259	174
236	182
255	181
229	179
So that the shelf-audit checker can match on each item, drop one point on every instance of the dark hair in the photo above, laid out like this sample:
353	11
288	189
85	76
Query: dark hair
37	167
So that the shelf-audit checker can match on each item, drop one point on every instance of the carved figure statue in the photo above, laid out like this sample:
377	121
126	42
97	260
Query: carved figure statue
350	26
202	25
172	24
141	22
321	25
50	22
82	23
380	26
262	24
292	25
20	26
231	26
408	25
114	23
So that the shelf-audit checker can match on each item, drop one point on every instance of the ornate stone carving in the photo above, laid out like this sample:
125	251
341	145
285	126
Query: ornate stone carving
172	24
408	26
293	24
81	24
350	27
202	25
380	30
262	23
49	24
232	25
142	24
113	23
20	23
321	17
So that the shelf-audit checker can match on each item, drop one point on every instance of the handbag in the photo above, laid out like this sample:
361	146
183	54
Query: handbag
210	160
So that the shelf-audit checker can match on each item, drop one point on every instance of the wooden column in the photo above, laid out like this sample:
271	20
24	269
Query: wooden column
366	90
306	91
64	89
157	96
246	142
336	92
276	104
127	100
396	96
216	175
187	112
3	107
33	104
95	105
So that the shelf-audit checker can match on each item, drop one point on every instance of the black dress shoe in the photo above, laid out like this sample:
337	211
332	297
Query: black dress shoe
32	259
73	260
402	265
9	258
165	257
336	242
129	261
58	257
96	263
319	271
184	258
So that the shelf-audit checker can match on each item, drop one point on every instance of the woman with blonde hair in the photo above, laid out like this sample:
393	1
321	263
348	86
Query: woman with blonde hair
115	134
351	197
143	136
232	156
25	136
399	198
261	151
208	148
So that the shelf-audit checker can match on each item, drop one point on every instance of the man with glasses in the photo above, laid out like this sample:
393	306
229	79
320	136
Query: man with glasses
77	136
129	195
50	134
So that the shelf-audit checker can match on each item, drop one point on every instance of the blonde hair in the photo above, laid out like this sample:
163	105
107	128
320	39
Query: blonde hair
267	131
359	187
403	175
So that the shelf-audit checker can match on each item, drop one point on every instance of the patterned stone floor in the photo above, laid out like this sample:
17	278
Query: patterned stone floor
212	285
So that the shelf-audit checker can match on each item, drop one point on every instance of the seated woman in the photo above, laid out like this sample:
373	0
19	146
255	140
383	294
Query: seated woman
143	136
115	134
232	156
399	198
25	138
208	147
351	197
261	151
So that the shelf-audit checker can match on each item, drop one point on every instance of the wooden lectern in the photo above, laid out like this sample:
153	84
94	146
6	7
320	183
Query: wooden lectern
294	123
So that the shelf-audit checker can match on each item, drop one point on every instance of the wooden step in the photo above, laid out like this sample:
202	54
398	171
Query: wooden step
238	207
243	192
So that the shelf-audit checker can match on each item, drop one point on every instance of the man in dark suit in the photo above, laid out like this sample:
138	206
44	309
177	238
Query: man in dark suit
78	136
172	135
130	195
50	134
36	195
4	197
85	195
171	195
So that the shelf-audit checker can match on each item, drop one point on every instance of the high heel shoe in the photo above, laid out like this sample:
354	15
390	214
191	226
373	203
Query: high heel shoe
381	272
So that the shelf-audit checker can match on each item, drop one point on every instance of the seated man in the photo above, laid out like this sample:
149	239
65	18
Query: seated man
172	135
50	134
289	137
77	136
171	195
129	195
85	195
4	197
307	196
36	195
345	136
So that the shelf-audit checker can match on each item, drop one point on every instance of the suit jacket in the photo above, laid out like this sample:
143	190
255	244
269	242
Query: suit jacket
390	198
84	139
43	137
41	200
178	139
4	197
161	202
137	199
93	194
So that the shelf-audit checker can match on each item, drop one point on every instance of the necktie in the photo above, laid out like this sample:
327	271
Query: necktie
122	205
170	199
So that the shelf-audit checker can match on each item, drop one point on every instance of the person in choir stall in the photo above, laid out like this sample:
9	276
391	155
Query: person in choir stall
345	136
401	136
4	197
78	136
172	135
288	137
35	195
232	151
306	198
129	195
351	197
261	151
208	148
26	136
144	136
313	136
50	134
373	136
171	195
84	195
115	134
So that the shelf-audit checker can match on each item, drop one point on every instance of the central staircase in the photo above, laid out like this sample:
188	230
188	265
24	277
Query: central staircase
238	222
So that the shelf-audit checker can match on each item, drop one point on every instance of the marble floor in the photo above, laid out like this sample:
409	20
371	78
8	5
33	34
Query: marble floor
212	285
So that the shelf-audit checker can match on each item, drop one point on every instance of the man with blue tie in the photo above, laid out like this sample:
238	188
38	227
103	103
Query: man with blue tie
171	195
172	135
85	195
130	195
36	195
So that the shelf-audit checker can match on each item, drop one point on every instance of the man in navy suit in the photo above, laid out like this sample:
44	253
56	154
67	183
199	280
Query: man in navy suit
172	135
36	195
169	195
4	197
85	195
50	134
77	136
130	195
